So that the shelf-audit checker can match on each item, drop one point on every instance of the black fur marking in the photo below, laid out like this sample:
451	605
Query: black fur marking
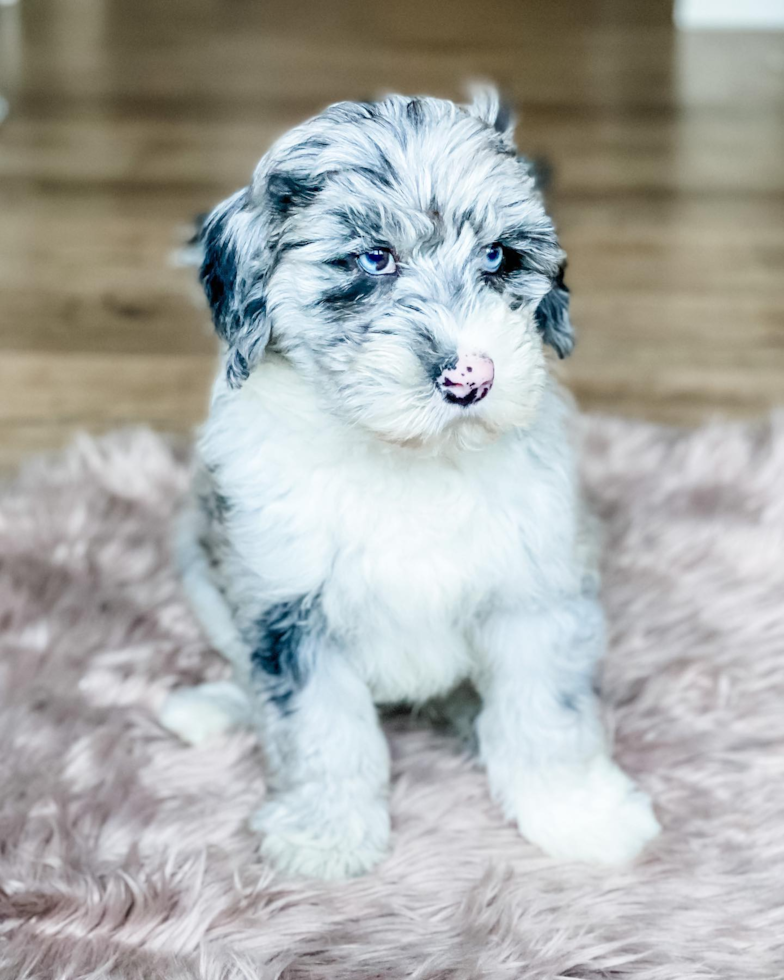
387	169
468	217
255	308
215	505
243	327
279	655
552	317
415	113
343	299
237	369
495	280
292	246
219	274
369	109
367	221
345	262
379	178
223	506
435	363
209	553
343	339
313	143
287	192
531	253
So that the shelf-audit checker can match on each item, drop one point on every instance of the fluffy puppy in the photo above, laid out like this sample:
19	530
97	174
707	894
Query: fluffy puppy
385	502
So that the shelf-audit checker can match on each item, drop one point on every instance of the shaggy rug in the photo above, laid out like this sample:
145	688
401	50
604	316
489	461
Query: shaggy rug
125	854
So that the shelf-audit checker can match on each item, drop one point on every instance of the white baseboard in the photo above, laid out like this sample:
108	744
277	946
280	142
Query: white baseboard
752	15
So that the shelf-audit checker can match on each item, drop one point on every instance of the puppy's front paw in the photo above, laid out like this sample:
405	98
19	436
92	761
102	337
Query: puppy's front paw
308	832
592	813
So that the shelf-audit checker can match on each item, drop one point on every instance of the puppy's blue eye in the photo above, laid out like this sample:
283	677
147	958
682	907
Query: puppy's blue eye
379	262
493	258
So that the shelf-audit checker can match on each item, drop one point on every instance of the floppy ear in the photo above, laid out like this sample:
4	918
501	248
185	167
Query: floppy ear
552	317
232	274
240	239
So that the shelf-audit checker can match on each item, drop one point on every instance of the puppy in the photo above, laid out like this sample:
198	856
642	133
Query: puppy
385	503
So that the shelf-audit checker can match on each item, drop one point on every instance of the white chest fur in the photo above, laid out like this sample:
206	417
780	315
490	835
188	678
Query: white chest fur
406	550
418	553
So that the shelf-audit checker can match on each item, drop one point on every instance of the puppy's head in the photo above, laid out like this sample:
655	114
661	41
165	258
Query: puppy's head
399	256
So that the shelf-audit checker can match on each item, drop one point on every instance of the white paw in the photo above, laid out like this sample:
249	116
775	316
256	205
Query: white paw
592	813
199	713
308	833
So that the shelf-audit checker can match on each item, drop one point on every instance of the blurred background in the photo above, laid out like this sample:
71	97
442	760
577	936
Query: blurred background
122	119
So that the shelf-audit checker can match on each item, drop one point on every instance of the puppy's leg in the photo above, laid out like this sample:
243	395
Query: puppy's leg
542	741
328	761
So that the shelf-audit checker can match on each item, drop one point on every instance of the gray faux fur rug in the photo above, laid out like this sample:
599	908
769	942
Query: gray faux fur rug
125	854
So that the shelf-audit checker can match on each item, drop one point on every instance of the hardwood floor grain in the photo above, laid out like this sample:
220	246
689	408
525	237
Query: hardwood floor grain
128	118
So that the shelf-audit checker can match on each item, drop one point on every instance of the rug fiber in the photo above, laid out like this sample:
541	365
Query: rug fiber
124	854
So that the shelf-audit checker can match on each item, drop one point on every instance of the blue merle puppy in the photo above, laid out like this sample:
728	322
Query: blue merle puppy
385	503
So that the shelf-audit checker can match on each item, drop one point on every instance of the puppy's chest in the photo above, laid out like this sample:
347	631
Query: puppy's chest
430	546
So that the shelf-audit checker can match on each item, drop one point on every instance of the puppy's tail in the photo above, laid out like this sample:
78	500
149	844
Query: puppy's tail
206	600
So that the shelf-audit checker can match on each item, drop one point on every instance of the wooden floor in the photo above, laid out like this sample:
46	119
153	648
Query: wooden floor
127	117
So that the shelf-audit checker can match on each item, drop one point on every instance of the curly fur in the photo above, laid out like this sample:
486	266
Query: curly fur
360	535
126	854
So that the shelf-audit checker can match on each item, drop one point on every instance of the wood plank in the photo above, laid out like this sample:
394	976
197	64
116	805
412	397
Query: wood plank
128	119
79	388
700	154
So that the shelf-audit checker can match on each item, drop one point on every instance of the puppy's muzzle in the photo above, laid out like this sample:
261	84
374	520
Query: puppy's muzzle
469	381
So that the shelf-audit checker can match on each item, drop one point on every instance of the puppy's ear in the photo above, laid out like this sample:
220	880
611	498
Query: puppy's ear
240	239
552	317
232	247
494	110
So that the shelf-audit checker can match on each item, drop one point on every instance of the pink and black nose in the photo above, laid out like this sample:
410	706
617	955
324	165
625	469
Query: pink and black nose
468	381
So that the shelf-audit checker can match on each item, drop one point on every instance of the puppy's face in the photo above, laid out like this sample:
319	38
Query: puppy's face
399	256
